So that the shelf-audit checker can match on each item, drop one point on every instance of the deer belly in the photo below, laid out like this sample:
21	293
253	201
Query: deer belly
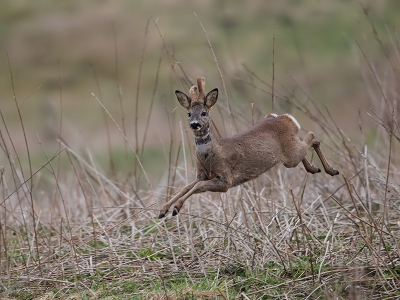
251	168
242	178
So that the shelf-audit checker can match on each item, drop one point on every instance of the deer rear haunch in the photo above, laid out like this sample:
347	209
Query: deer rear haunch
223	163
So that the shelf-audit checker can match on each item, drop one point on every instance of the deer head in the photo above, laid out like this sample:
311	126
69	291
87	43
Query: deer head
198	106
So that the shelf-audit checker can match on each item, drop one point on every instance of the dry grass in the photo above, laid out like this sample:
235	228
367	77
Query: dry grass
287	234
90	234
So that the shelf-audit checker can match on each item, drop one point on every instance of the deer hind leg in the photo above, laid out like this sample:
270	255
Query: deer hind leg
311	141
309	167
213	185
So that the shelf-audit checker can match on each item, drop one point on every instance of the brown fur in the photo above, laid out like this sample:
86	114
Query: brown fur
223	163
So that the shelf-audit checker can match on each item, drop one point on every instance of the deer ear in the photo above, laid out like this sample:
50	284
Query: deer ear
183	99
211	98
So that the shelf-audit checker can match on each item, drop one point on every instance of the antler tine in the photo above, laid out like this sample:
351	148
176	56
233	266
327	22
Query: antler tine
201	84
193	93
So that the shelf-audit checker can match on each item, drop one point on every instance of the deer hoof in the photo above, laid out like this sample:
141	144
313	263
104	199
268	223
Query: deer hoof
333	172
175	212
319	170
160	216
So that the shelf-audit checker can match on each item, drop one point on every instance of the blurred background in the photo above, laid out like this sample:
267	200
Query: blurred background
133	54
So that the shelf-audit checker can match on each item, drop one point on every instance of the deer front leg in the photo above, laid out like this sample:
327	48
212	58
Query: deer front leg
182	192
213	185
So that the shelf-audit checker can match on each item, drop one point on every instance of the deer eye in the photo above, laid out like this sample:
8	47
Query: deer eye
189	114
203	113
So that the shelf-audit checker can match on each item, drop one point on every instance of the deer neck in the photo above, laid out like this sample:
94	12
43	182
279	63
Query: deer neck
205	140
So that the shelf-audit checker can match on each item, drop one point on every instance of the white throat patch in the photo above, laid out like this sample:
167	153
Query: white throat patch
203	148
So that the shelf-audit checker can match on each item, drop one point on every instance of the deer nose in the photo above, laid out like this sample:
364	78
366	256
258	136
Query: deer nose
195	125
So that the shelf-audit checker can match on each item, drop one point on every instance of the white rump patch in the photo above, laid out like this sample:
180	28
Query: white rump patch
294	120
274	115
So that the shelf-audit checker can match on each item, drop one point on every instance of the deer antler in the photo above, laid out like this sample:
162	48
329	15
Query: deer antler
193	94
201	84
196	93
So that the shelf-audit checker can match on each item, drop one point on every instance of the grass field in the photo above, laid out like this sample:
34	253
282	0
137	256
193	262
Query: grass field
80	197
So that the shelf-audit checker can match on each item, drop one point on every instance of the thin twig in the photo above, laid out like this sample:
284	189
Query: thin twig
231	118
137	102
273	70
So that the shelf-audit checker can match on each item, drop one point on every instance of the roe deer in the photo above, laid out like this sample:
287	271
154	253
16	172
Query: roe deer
223	163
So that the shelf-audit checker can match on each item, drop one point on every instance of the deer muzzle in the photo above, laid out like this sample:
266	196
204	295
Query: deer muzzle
195	125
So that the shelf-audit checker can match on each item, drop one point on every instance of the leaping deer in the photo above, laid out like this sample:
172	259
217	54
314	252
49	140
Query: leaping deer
223	163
